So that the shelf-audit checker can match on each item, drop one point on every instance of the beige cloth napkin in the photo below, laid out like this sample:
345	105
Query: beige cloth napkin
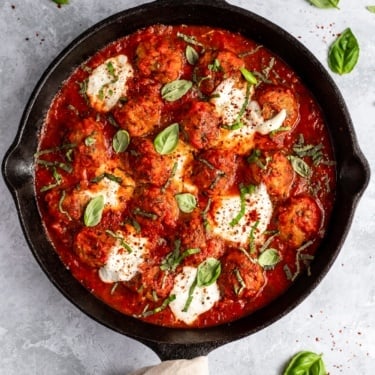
196	366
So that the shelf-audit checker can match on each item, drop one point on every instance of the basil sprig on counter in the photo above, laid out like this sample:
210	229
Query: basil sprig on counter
325	3
61	2
121	141
175	90
371	8
166	141
93	212
306	363
344	53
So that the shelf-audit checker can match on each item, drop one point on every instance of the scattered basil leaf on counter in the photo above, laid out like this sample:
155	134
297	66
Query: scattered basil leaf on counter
61	2
324	4
121	141
186	202
371	8
269	258
306	363
175	90
344	53
192	55
208	272
93	211
166	141
249	76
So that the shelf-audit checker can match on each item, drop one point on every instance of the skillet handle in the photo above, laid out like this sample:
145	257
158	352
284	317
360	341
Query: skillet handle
167	351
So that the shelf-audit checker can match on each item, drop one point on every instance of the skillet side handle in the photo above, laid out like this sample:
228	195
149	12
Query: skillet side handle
167	352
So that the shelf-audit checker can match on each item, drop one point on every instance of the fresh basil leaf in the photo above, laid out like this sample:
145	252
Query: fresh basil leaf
121	141
93	211
186	202
166	141
269	258
175	90
192	55
371	8
325	3
344	53
300	166
306	363
208	272
249	76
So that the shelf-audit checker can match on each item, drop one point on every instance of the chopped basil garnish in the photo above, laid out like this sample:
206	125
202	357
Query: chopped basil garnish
160	308
325	3
238	289
307	363
120	239
189	39
93	211
121	141
166	141
66	146
110	177
250	78
269	258
61	209
192	55
90	140
186	202
300	166
244	190
175	90
58	180
215	66
148	215
344	53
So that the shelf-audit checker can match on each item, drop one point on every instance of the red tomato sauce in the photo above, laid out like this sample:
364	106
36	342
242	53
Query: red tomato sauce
78	157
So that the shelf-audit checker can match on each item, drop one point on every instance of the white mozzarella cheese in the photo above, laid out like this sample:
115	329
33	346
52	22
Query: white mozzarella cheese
258	213
123	264
203	300
183	157
228	99
107	83
108	189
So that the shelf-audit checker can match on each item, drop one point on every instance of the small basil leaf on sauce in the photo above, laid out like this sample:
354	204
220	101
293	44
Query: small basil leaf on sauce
324	4
192	55
371	8
344	53
300	166
208	272
121	141
175	90
93	211
186	202
269	258
166	141
306	363
249	76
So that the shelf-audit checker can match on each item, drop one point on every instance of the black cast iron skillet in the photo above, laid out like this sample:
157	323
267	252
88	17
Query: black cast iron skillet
352	168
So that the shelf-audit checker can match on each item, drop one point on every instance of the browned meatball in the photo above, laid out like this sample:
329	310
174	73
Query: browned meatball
299	220
140	115
273	99
215	66
201	124
240	277
92	246
276	172
148	166
214	171
158	58
90	153
155	209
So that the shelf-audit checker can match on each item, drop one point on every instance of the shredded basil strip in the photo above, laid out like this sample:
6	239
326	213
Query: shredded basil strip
120	239
186	202
160	308
174	258
343	54
269	258
110	177
93	211
244	190
61	209
189	39
58	180
66	146
238	290
307	363
324	4
250	78
148	215
167	140
121	141
175	90
190	296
